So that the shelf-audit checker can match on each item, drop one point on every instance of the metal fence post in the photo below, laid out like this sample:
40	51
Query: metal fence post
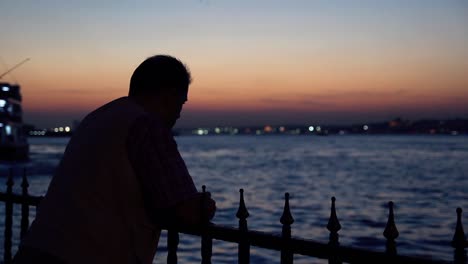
24	206
391	233
459	241
8	219
172	244
333	226
243	254
206	242
286	219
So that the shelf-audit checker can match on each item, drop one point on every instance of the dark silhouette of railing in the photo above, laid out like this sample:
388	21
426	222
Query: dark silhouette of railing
287	245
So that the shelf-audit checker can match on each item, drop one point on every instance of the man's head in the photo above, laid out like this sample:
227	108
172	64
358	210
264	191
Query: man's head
160	84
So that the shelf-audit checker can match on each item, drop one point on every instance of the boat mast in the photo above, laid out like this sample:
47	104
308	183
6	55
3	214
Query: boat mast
14	67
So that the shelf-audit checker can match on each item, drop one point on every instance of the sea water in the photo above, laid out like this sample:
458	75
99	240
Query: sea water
425	176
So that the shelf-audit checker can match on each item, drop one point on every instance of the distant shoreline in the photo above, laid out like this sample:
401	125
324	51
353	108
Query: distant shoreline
396	126
287	135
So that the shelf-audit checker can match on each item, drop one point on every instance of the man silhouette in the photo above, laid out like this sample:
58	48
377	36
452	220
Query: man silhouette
121	178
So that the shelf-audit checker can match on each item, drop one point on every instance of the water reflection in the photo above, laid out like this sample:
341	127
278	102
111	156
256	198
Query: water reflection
425	177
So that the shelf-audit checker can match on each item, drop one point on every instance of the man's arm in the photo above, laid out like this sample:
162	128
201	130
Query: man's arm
168	190
197	210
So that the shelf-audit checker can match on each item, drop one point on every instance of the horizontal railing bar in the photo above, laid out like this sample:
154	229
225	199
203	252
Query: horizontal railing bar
20	199
269	240
302	246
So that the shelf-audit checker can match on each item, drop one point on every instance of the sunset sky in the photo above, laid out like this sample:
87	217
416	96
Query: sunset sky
253	62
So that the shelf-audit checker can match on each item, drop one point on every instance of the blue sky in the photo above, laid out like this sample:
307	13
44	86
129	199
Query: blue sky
245	55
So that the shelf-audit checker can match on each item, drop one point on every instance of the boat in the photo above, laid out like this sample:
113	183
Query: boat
14	144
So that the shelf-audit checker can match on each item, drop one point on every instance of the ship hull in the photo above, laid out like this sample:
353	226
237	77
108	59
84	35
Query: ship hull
13	140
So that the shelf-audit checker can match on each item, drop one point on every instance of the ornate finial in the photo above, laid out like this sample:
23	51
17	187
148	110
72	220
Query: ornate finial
25	183
459	238
391	231
10	182
243	253
203	205
333	223
286	218
242	212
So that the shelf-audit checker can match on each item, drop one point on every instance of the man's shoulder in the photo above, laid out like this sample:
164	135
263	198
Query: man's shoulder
122	103
117	114
119	108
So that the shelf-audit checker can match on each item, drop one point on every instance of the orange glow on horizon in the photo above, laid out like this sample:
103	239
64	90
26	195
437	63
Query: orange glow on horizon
309	86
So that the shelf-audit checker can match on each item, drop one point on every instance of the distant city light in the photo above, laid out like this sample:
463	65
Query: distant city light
319	129
268	129
8	129
67	129
5	88
37	133
218	130
1	124
200	132
61	129
311	129
56	130
282	129
2	103
365	127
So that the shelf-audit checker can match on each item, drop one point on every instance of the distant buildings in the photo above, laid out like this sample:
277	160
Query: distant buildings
395	126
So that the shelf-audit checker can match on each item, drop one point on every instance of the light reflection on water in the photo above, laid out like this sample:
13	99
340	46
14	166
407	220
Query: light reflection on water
426	177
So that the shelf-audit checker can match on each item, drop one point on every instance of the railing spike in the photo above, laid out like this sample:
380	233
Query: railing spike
459	238
244	244
25	183
286	218
204	217
10	182
24	206
172	245
8	232
333	224
242	212
206	241
391	231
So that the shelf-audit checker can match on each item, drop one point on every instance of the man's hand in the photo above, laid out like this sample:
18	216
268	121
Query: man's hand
197	210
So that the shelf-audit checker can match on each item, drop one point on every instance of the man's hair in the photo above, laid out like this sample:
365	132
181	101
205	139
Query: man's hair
160	73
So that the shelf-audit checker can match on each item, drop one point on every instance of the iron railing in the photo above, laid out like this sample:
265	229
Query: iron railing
285	243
